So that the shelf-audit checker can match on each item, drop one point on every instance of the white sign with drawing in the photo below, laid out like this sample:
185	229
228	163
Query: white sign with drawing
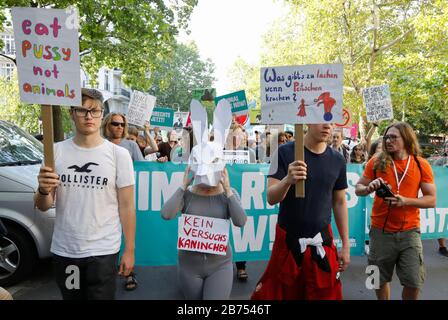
140	108
378	103
301	94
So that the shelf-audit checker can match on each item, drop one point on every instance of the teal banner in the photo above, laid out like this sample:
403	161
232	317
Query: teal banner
162	118
237	100
156	239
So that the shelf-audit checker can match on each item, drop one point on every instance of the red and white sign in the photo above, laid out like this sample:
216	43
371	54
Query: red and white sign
203	234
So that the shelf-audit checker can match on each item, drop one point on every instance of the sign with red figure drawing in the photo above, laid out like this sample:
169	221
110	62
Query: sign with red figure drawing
203	234
47	56
302	94
345	123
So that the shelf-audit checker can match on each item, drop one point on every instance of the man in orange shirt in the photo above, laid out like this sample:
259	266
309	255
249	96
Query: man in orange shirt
395	221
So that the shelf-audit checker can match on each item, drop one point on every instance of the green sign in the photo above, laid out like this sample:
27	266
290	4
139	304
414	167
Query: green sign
205	96
237	100
162	118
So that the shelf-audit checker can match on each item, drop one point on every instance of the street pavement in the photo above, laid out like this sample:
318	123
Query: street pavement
160	283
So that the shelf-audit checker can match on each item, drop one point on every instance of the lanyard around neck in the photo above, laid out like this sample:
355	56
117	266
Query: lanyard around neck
404	173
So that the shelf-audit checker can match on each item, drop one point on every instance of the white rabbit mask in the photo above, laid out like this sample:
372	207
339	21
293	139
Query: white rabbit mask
206	159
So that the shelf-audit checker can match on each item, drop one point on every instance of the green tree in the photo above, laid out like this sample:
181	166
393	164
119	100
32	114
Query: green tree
130	35
378	41
176	77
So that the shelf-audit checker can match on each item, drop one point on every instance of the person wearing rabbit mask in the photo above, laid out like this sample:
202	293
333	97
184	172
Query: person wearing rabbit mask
206	276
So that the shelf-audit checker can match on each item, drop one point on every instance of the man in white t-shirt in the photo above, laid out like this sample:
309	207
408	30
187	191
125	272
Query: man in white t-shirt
93	189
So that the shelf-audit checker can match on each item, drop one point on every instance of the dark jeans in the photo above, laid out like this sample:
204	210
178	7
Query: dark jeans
97	277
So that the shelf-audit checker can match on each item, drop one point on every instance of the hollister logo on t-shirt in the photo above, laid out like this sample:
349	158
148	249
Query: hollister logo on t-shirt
83	180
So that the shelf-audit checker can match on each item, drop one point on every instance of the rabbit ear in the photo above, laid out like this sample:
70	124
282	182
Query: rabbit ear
222	119
199	121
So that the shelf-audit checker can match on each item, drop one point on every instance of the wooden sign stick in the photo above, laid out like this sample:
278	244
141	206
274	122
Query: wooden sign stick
299	155
47	123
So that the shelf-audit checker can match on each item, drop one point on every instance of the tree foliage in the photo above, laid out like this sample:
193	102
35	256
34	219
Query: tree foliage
400	42
176	76
130	35
133	36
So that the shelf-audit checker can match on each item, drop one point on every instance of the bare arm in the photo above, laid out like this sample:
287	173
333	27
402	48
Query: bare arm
369	137
48	181
126	210
150	141
428	200
277	189
366	186
340	212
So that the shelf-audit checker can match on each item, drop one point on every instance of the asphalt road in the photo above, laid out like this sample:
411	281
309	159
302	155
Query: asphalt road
160	283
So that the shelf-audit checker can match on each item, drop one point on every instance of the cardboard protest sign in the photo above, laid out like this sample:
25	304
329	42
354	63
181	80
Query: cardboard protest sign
180	120
47	56
237	100
140	108
162	118
378	103
236	156
301	94
203	234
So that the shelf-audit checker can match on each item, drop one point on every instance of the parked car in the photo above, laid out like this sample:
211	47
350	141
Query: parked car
29	229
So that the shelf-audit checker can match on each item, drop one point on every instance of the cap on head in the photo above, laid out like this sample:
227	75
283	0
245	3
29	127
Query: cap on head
92	93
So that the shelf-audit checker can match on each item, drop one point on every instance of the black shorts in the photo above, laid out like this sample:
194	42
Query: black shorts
91	278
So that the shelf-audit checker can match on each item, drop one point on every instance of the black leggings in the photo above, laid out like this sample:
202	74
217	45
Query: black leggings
97	277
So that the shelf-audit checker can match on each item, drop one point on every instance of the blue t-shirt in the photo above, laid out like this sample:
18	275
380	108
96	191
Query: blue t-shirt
326	172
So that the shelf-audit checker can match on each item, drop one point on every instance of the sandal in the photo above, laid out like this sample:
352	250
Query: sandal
242	275
131	282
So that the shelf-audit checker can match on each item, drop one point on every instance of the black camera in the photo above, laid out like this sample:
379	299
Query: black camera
384	191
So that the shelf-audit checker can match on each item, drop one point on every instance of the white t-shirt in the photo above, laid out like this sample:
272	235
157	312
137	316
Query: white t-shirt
87	217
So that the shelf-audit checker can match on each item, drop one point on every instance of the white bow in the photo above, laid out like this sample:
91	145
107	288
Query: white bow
316	241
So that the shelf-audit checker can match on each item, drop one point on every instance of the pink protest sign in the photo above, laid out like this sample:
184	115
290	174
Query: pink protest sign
354	131
47	56
203	234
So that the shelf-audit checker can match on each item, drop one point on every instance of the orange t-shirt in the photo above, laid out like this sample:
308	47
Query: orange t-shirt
400	218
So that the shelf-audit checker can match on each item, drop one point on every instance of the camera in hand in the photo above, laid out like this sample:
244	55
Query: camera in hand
384	191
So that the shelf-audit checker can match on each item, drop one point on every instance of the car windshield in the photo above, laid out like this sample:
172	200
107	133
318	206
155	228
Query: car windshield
18	147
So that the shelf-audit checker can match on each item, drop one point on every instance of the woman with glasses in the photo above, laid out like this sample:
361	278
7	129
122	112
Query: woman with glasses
115	129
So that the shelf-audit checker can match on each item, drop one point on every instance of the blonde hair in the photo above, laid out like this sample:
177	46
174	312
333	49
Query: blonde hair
97	102
106	122
132	131
410	142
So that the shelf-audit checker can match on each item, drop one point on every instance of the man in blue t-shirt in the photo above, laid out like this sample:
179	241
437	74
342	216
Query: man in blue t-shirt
305	263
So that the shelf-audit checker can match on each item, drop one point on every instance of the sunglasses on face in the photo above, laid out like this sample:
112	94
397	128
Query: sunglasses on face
116	124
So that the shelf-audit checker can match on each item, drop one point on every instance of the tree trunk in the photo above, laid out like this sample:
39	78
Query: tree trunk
57	124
